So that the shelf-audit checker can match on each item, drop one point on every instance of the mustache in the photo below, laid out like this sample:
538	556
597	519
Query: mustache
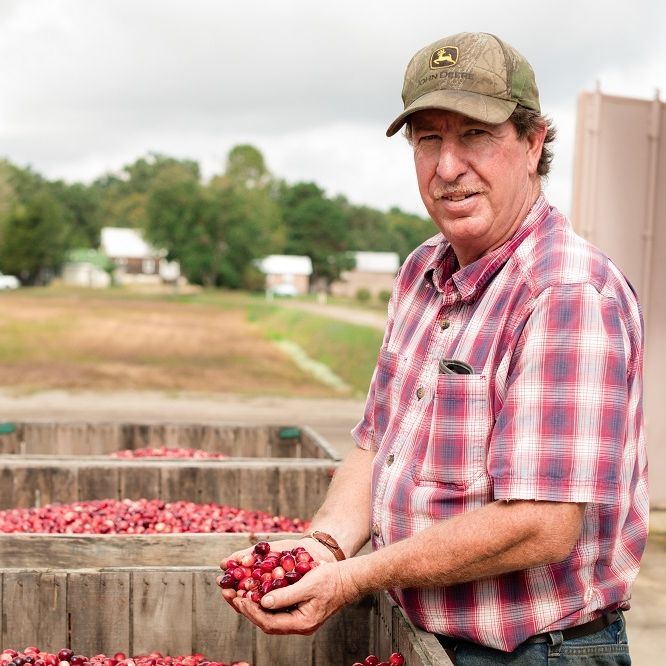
442	191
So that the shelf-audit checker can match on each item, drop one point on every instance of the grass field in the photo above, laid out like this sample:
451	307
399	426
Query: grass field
210	341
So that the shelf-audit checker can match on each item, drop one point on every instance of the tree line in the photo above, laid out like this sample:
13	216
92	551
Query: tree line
215	229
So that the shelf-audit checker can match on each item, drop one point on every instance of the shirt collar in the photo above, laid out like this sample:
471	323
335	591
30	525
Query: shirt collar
468	283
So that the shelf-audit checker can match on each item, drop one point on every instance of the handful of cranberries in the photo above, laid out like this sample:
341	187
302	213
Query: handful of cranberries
263	570
396	659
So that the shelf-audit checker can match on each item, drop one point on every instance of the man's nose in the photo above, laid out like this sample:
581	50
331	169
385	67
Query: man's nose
451	163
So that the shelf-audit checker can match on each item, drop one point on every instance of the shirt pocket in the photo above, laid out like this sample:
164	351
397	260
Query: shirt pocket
455	455
387	380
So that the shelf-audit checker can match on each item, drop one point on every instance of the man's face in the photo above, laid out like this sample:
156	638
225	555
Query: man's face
477	181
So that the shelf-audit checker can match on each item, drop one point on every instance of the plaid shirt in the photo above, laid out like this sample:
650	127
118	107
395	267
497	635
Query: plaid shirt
553	412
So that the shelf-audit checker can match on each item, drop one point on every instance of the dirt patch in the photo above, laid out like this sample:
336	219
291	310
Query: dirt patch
102	343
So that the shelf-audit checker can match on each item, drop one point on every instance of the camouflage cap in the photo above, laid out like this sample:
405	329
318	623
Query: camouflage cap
472	73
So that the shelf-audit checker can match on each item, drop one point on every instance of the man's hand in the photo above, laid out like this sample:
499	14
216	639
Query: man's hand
300	608
318	551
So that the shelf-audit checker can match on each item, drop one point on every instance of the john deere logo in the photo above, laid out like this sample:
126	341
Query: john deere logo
447	56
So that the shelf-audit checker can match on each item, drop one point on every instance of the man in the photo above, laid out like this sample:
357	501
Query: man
500	467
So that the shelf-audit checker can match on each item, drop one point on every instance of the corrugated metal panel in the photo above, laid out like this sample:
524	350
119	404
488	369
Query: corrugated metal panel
619	204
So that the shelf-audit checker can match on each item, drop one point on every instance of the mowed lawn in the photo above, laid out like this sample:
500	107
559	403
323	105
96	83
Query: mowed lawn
208	342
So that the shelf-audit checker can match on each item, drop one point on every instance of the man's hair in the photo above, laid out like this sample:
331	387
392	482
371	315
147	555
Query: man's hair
526	121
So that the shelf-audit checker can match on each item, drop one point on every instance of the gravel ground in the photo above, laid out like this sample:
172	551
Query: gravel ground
333	419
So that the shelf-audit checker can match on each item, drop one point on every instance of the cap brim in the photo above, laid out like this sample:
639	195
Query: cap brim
473	105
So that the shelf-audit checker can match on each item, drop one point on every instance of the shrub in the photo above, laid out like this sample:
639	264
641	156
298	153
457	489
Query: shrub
363	295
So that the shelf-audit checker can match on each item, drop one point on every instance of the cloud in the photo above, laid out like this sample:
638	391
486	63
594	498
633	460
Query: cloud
92	85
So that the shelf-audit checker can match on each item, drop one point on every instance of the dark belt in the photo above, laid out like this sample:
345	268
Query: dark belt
579	630
586	629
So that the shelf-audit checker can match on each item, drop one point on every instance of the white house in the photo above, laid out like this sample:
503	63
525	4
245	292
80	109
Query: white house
374	271
286	274
136	260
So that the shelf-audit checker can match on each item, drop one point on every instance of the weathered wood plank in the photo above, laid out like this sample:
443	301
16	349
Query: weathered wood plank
219	632
258	488
98	612
69	551
98	481
162	614
283	650
10	438
140	481
72	439
34	609
6	489
35	486
346	637
104	438
301	489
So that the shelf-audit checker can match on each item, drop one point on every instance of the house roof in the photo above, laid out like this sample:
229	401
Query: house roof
285	264
126	242
377	262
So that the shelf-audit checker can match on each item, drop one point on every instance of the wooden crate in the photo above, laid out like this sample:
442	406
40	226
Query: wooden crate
71	551
290	487
179	611
80	438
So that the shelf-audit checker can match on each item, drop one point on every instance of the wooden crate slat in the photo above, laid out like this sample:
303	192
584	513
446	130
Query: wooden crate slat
36	486
10	442
139	481
219	632
69	551
162	612
83	438
258	488
190	435
219	439
34	609
283	650
252	442
72	439
346	637
384	643
6	488
97	482
99	617
39	437
282	446
104	438
301	490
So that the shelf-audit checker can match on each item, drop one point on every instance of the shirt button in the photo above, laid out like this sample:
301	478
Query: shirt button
420	392
375	531
390	459
444	323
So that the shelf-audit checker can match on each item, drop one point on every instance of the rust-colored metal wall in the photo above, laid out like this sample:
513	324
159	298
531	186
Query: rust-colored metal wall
619	204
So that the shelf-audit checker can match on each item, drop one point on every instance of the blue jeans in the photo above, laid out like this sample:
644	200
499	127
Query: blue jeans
607	647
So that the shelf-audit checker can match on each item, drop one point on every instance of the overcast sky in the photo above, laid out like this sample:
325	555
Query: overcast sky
87	86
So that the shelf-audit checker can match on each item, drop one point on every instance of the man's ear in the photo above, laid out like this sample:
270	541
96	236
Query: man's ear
534	148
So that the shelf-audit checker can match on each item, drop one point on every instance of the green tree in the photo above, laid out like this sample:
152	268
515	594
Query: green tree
247	215
316	227
216	231
124	196
33	238
81	206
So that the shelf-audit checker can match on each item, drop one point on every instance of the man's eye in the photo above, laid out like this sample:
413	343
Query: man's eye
475	132
429	137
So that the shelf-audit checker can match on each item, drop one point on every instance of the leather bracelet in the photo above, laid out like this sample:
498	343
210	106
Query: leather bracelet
328	541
